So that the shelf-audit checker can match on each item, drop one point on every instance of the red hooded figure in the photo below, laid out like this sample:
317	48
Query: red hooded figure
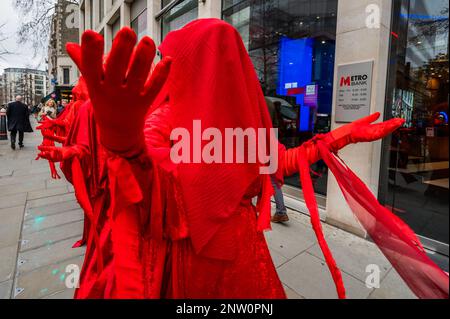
162	229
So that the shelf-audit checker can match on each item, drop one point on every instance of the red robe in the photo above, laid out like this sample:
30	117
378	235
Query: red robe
161	230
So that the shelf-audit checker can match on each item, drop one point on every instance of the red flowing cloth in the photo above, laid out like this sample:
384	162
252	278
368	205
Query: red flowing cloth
212	79
392	236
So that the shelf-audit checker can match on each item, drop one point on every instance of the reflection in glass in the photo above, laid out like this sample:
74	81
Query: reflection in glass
416	181
179	16
139	25
292	46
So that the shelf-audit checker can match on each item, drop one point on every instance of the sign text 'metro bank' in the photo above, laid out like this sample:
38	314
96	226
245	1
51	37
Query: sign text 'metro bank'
354	91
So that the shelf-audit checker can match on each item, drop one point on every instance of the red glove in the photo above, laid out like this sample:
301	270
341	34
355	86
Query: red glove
122	91
362	131
48	135
50	124
59	154
359	131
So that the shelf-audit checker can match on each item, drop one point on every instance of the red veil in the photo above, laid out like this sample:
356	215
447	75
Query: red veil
212	78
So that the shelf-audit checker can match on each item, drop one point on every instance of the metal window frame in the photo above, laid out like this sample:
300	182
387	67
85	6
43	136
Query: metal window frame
167	8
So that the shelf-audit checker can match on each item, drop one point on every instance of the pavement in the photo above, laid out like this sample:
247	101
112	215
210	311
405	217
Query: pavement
40	220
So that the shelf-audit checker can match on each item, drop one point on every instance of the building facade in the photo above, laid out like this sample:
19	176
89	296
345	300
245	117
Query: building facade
305	53
62	71
30	84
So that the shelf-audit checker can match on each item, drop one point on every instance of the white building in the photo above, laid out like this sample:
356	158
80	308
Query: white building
299	47
63	73
30	84
147	17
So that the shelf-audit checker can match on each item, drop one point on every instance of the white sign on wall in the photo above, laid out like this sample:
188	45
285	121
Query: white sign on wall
354	91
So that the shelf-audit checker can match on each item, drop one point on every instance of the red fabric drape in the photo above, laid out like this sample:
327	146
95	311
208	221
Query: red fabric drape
212	79
394	238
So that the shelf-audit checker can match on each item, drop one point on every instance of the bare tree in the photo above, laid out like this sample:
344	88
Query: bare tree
36	19
3	50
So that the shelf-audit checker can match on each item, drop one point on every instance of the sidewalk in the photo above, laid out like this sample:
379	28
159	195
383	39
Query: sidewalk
40	220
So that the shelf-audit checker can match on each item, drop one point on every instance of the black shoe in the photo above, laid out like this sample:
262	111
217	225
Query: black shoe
21	145
13	146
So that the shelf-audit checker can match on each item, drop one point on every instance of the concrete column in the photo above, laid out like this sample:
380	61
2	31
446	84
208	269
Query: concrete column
125	15
153	26
95	14
210	9
358	41
82	18
108	37
108	5
87	14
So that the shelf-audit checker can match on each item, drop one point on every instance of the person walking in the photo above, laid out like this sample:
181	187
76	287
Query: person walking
281	211
18	121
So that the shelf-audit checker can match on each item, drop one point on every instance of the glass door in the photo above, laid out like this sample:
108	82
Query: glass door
414	177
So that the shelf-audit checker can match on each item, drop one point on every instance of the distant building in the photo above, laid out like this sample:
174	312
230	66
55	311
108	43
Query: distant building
31	84
62	71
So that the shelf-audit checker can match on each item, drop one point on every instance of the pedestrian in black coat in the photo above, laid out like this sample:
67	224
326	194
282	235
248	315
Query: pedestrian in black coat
18	121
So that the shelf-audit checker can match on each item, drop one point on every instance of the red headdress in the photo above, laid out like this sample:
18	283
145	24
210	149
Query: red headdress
212	79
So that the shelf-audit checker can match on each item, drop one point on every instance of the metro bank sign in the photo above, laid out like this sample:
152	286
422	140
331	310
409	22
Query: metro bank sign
354	91
354	80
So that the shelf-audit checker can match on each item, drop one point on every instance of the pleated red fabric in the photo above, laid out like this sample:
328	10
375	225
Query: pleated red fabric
212	79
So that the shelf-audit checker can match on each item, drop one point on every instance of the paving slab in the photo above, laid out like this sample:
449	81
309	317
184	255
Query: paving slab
47	192
52	183
11	180
32	171
14	200
51	235
10	225
291	294
392	287
65	294
46	281
353	254
24	187
47	255
308	276
51	209
277	258
290	239
43	222
8	259
5	289
50	200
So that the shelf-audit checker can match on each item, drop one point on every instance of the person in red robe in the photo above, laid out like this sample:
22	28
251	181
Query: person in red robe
191	230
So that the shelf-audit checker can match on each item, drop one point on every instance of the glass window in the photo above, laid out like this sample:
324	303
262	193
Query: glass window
115	28
91	15
101	10
415	180
292	46
139	25
179	16
66	76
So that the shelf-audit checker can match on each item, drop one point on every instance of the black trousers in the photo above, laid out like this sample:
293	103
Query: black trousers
13	137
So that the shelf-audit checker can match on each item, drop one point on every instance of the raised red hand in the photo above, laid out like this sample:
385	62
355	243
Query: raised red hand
123	89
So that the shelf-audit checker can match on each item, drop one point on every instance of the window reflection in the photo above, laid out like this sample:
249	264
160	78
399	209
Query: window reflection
417	181
180	15
292	46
